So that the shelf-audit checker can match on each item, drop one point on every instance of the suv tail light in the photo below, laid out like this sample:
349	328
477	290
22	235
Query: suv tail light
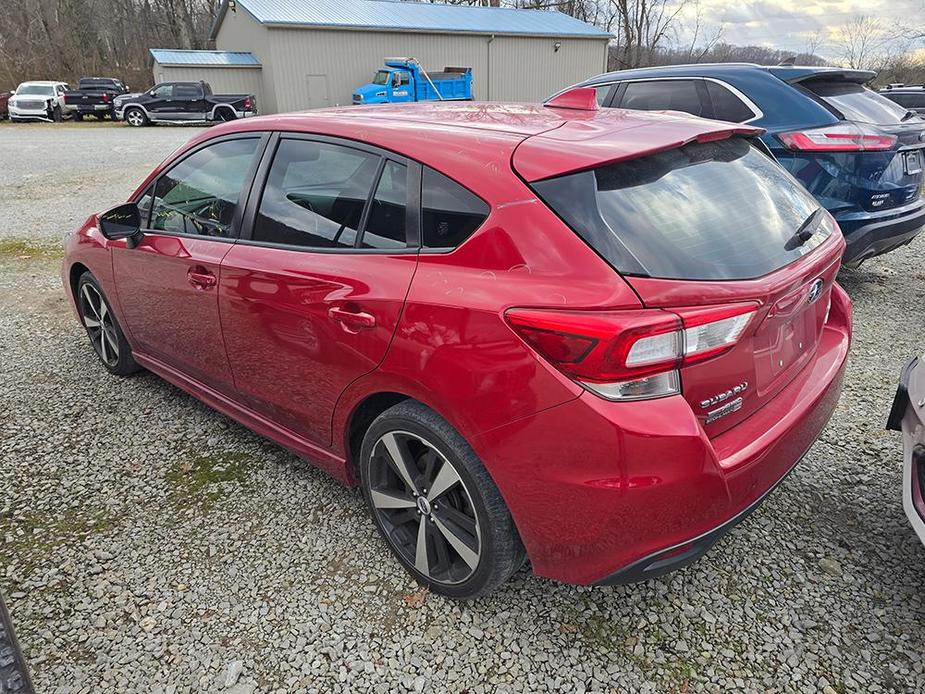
631	355
844	137
247	103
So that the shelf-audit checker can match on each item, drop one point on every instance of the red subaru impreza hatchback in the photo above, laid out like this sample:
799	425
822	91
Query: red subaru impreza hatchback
594	339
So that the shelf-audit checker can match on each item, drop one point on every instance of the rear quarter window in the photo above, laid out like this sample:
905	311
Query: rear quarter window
449	212
713	211
856	102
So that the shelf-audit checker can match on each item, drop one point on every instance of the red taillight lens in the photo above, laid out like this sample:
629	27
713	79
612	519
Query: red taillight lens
631	354
845	137
105	98
247	103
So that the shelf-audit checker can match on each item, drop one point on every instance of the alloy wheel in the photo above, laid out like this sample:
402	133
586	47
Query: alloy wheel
97	319
424	507
135	117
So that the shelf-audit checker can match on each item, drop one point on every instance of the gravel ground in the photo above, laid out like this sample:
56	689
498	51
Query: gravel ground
53	176
150	544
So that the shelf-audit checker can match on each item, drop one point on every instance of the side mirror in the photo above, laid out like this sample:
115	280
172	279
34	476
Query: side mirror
122	222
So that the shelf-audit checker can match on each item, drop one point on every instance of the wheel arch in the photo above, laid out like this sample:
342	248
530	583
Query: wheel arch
218	108
74	273
358	420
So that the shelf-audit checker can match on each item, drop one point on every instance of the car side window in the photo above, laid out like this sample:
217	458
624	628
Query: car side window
200	194
187	91
164	91
386	225
315	195
663	95
144	204
726	105
449	212
602	92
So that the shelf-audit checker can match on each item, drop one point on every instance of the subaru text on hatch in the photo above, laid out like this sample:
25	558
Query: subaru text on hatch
594	339
859	153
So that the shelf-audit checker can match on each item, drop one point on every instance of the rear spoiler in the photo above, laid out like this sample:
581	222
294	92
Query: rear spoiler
611	137
793	75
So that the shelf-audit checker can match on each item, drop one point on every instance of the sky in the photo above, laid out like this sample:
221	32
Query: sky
789	24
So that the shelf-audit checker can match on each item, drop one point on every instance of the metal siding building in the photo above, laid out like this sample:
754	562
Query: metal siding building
314	54
228	72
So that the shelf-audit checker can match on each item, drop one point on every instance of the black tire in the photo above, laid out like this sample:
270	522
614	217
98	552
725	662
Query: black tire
56	114
78	117
225	115
495	540
106	334
135	117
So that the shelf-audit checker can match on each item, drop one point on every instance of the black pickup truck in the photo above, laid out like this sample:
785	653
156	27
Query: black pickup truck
183	102
94	96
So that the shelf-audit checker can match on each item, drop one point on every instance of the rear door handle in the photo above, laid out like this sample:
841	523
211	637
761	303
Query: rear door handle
201	278
352	320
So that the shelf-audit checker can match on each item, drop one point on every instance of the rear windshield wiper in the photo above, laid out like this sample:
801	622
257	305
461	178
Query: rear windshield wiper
805	231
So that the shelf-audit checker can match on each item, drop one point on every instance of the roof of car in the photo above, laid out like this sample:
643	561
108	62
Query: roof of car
788	73
549	141
44	83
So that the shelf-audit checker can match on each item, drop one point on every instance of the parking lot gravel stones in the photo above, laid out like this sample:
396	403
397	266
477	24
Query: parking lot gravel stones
149	544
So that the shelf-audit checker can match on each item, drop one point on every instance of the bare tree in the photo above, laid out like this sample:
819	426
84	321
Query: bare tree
860	43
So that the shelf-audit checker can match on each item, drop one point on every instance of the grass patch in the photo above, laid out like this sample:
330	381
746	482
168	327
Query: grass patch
30	539
24	248
205	479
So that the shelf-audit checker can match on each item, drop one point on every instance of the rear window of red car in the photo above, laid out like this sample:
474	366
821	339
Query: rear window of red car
706	211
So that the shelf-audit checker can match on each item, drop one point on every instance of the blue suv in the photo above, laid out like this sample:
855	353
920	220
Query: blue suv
859	153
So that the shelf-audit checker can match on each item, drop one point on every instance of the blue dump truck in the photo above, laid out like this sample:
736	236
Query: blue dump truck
404	80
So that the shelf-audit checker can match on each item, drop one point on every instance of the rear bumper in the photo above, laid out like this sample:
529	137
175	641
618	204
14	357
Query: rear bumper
907	415
92	108
875	238
606	492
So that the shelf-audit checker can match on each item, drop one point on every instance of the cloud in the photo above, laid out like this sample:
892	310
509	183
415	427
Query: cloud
788	24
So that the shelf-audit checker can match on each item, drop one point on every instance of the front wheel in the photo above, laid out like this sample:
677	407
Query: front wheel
135	117
435	504
102	328
56	114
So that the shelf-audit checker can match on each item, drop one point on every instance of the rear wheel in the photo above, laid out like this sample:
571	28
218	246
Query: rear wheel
135	117
435	504
225	114
102	328
78	117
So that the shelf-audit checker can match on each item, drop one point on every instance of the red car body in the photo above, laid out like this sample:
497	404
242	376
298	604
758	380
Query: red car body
600	491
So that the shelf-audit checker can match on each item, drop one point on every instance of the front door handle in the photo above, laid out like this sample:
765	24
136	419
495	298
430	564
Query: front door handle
201	278
353	321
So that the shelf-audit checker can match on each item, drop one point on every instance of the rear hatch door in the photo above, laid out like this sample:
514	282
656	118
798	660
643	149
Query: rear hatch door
708	228
882	168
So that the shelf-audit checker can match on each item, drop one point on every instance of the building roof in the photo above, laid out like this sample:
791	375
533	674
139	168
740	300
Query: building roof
412	16
169	56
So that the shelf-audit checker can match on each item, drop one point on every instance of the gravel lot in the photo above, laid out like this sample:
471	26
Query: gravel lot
150	544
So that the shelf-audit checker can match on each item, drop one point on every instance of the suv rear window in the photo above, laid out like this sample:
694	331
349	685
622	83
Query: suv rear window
855	102
712	211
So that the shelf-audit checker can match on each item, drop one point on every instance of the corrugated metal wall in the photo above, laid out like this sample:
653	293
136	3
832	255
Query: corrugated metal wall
312	68
531	69
223	80
241	32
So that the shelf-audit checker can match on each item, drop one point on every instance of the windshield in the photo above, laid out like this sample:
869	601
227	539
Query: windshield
382	77
857	103
35	90
713	211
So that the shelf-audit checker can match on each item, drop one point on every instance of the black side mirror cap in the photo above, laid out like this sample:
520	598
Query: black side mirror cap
122	222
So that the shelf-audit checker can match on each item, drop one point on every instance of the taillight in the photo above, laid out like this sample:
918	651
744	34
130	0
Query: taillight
631	355
845	137
247	103
105	98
